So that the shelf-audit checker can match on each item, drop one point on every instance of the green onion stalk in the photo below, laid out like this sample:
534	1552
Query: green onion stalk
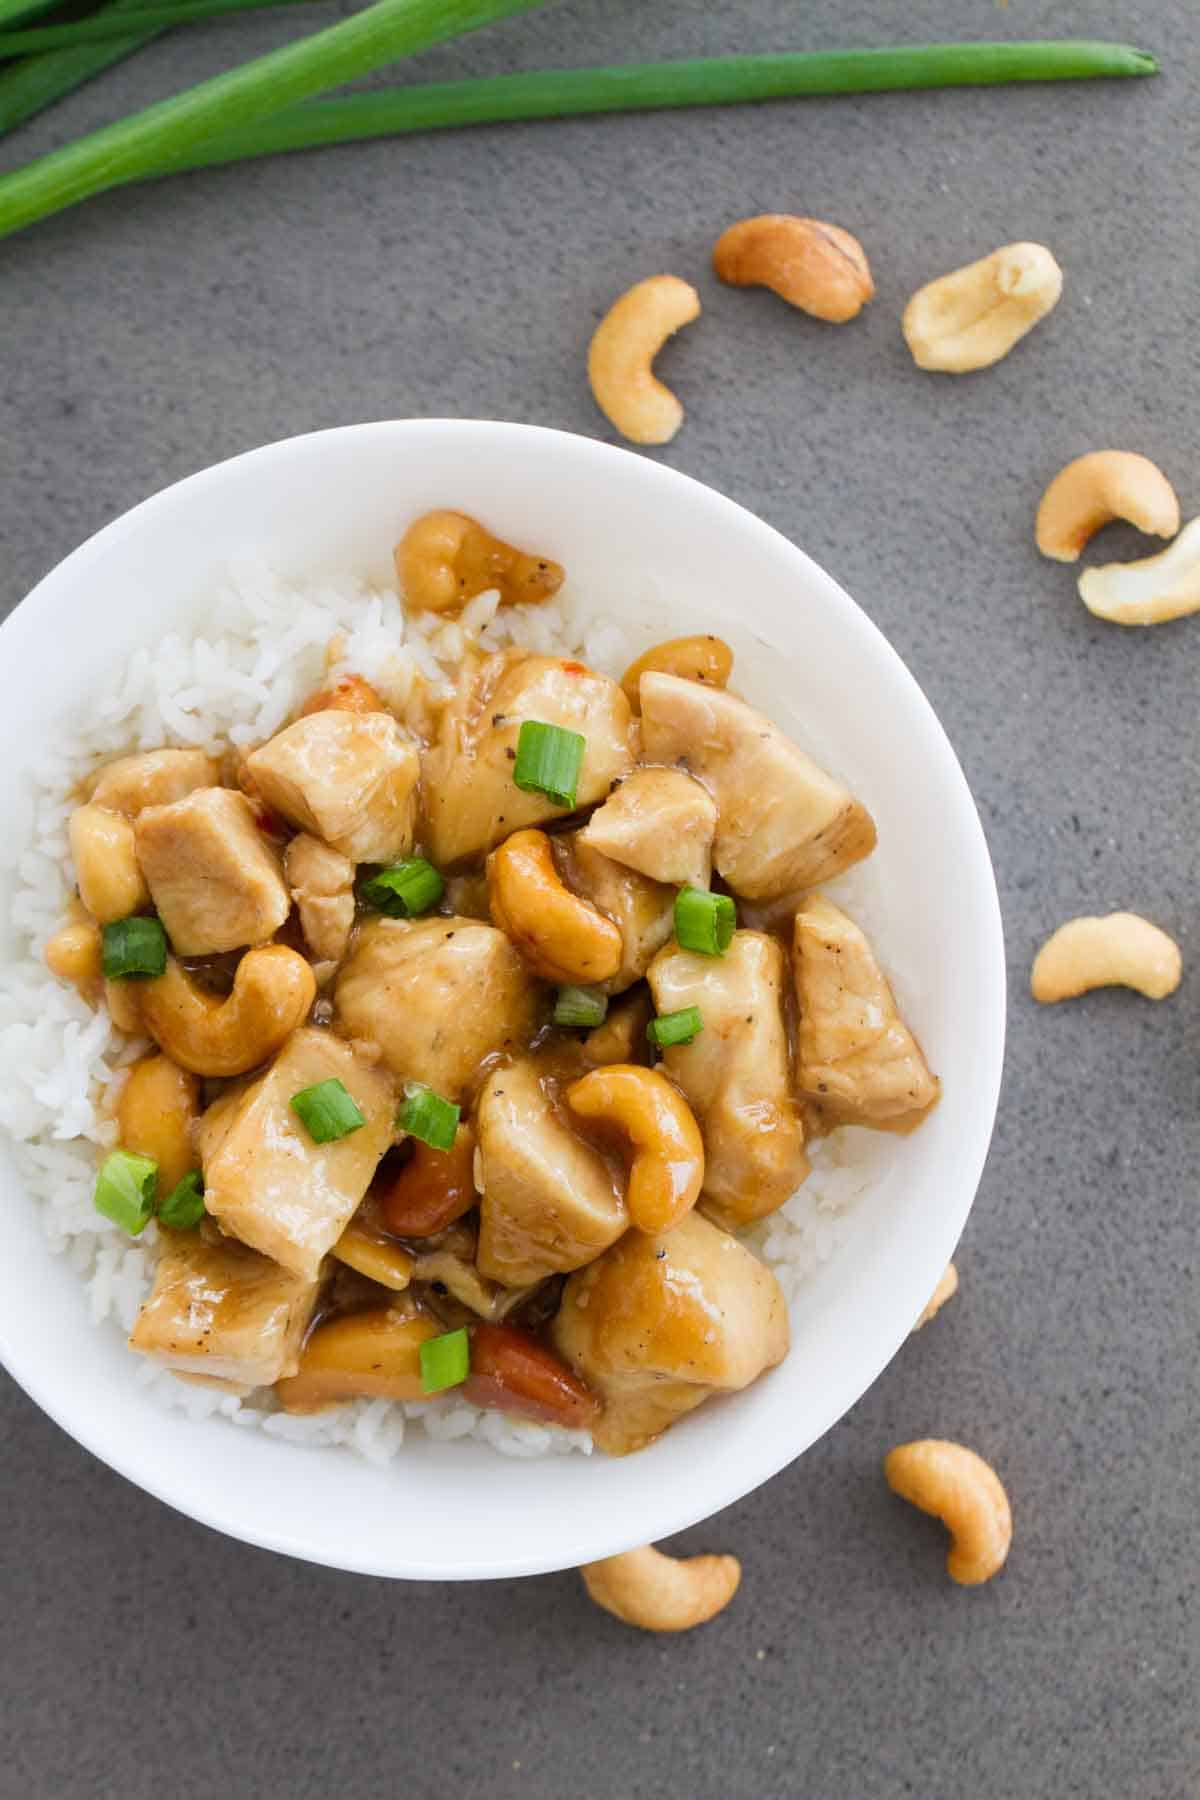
137	145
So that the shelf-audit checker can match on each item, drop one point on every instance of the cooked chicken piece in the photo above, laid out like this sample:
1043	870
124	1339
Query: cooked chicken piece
471	799
856	1057
782	822
658	1324
214	880
643	911
154	778
550	1202
264	1178
322	885
660	822
348	778
221	1311
736	1073
437	996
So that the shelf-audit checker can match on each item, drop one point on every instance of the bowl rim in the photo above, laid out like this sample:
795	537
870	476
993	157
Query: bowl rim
160	1478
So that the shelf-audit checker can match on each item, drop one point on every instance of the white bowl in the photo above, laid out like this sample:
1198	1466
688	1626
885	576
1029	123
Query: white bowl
654	542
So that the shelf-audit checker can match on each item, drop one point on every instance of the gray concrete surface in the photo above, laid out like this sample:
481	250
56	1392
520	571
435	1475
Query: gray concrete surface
161	329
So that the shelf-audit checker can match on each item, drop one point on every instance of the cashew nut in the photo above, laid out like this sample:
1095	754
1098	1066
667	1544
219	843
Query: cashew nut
159	1104
272	992
107	873
972	317
1097	488
667	1169
706	659
1119	950
445	558
74	954
562	937
820	268
1149	592
623	347
945	1290
349	693
965	1493
657	1592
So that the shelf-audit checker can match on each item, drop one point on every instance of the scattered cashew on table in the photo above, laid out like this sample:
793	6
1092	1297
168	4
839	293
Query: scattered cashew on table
958	1487
624	346
1119	484
1119	950
657	1592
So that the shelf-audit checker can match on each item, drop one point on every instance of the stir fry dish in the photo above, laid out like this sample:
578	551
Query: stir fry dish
473	1033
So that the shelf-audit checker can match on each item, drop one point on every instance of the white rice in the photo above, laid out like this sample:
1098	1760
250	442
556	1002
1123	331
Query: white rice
266	644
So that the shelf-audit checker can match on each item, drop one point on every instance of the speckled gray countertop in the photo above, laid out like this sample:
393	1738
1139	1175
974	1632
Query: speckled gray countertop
164	328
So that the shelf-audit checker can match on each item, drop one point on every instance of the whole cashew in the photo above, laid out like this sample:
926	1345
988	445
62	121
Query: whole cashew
1149	592
945	1290
624	345
706	659
445	558
820	268
159	1104
667	1169
272	992
972	317
965	1493
107	873
561	937
1119	950
657	1592
1097	488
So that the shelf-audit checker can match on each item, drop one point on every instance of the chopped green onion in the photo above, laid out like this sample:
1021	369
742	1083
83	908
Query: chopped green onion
704	921
445	1360
639	87
427	1116
403	889
125	1190
675	1028
548	761
326	1111
136	146
133	947
184	1206
580	1006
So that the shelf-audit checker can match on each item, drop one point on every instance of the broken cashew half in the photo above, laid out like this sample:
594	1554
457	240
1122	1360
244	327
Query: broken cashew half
965	1493
667	1169
272	992
1119	950
657	1592
624	346
561	936
1097	488
945	1290
820	268
971	318
1149	592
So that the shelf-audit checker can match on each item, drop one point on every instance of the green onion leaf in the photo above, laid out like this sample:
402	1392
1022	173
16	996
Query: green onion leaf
548	761
704	921
580	1006
403	889
125	1190
427	1116
184	1206
445	1361
676	1027
326	1111
133	947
